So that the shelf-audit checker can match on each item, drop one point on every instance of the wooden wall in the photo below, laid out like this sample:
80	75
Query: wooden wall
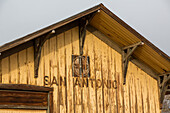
21	111
105	92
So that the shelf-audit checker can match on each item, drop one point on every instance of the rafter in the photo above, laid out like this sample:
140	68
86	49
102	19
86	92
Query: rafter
164	82
38	44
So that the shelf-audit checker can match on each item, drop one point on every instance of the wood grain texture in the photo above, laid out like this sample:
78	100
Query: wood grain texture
54	73
61	60
23	77
68	53
98	73
105	76
21	111
101	94
30	66
92	85
119	82
85	82
77	88
14	69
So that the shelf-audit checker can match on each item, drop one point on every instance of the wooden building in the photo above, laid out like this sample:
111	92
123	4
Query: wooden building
92	62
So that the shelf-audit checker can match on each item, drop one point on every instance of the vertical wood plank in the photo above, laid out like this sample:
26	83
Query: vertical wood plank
68	47
14	68
62	84
58	76
92	80
5	70
105	76
41	70
150	94
144	94
46	61
114	84
85	81
30	66
77	88
127	93
54	72
119	83
157	107
111	78
22	67
139	91
136	91
133	91
98	74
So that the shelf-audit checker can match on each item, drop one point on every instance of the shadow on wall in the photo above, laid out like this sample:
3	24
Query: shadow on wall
166	104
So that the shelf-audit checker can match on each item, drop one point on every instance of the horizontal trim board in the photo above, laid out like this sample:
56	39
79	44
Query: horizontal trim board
23	98
25	87
22	107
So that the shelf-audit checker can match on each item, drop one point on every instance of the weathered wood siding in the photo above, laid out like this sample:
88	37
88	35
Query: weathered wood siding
21	111
103	93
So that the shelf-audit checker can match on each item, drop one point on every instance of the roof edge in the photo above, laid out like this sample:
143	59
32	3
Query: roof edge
40	32
47	29
133	31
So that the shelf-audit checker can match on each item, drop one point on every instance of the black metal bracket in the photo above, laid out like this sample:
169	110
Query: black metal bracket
82	33
126	57
164	82
38	44
83	22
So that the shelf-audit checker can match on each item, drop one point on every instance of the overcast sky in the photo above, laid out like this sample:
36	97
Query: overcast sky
151	18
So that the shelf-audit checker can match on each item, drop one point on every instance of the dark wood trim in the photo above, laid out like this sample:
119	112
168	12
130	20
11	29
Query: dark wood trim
168	90
23	107
16	49
25	87
115	46
130	29
51	101
21	96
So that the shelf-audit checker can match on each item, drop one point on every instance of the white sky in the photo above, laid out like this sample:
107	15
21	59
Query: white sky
151	18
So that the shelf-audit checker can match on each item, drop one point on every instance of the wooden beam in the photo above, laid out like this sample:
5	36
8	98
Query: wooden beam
168	72
24	87
133	45
164	82
38	44
126	55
